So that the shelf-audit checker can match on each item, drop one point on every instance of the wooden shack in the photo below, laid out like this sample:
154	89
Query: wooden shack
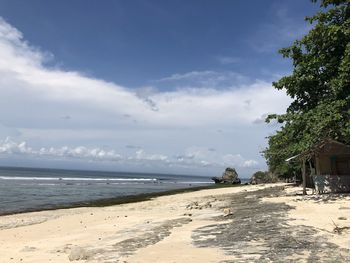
326	167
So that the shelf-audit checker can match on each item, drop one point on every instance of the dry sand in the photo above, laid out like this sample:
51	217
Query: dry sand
329	213
158	230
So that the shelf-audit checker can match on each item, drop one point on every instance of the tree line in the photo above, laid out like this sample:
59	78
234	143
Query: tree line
319	86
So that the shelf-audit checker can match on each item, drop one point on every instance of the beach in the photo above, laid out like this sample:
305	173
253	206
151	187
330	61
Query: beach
255	223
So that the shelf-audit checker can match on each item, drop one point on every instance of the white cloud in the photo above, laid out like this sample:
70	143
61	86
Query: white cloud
9	146
46	106
250	163
142	155
38	96
193	157
208	79
204	107
261	119
238	160
208	157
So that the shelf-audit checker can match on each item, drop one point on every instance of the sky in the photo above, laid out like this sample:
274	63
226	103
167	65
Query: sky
143	86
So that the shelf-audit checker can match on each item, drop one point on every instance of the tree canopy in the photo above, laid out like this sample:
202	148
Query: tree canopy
319	86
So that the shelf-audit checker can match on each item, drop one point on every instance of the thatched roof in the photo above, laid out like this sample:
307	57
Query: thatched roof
324	145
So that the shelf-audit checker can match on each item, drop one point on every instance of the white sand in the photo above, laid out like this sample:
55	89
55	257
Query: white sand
51	236
102	234
323	212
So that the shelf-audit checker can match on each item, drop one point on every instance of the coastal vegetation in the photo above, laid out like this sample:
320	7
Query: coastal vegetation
319	86
262	177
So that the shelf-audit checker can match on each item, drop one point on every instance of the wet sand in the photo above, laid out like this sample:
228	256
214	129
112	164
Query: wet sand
265	223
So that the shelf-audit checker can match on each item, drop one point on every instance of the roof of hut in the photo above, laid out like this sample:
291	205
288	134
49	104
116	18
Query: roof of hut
325	146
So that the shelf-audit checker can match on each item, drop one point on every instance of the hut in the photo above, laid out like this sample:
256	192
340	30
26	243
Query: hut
326	167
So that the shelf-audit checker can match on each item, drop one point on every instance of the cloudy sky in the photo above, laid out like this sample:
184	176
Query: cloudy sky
153	86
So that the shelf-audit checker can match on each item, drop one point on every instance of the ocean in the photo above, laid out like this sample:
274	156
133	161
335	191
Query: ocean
29	189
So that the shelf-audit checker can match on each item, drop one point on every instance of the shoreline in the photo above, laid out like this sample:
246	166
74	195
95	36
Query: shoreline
119	232
105	202
256	223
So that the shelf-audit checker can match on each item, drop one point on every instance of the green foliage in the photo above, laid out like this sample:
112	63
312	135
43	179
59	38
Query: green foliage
260	174
319	87
263	177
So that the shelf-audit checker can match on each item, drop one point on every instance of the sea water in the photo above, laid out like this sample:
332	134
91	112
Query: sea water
26	189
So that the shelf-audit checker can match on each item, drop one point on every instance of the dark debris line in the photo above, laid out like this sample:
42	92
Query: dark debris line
153	236
128	246
260	233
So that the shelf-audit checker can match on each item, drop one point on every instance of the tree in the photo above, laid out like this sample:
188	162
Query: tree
261	177
319	86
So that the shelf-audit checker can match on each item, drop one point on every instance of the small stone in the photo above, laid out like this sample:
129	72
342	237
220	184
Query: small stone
227	211
342	218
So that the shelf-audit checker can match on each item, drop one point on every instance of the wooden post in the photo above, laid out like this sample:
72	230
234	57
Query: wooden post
318	165
304	176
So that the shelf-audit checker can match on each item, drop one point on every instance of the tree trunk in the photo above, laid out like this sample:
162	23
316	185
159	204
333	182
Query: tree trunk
304	176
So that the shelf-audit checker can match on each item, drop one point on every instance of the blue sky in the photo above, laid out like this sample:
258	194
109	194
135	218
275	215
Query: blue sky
179	86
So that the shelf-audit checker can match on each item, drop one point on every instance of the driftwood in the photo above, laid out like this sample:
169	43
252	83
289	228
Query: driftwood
339	230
